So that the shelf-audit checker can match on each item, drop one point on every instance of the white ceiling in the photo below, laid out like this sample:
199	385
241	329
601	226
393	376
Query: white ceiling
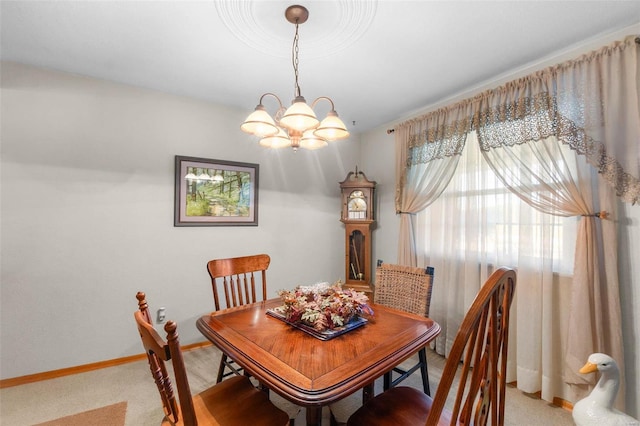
378	60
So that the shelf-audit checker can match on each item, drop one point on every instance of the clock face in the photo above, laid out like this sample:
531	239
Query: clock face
357	206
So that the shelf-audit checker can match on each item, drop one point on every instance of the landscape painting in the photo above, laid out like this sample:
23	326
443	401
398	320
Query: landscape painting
215	192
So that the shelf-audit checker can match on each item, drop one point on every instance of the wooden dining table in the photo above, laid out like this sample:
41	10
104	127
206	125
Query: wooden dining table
306	370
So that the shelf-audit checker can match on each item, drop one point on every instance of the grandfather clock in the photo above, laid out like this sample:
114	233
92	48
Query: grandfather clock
358	218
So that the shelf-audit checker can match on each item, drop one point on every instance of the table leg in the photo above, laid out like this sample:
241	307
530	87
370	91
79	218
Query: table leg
367	393
314	416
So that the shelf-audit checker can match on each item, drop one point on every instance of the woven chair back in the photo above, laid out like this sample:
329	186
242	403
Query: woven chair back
405	288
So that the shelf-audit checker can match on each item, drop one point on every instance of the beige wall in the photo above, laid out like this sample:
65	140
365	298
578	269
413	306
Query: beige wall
87	215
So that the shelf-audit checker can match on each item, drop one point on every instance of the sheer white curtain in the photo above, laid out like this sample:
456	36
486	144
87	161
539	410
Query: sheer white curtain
553	179
477	225
427	152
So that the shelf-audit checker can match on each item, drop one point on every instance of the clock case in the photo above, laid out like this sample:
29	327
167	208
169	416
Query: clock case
359	221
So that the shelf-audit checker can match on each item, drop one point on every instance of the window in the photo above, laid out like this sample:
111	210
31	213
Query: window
477	220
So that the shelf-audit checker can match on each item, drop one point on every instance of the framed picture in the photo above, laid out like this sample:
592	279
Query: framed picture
215	192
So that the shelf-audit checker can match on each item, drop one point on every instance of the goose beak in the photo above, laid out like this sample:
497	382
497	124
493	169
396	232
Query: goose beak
588	368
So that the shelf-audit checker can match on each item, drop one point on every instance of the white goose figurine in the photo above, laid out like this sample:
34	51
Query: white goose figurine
597	408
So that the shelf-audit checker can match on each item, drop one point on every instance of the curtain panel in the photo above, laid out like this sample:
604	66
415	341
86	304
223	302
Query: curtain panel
426	159
590	104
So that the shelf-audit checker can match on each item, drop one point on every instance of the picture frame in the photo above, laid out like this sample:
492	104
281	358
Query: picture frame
215	192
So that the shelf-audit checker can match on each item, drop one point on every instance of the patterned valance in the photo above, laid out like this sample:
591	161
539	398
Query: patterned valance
590	103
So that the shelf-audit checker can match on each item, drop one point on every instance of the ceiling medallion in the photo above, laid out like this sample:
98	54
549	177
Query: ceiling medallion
337	24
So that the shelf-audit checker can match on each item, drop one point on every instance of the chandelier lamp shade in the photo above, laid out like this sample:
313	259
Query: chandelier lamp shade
296	126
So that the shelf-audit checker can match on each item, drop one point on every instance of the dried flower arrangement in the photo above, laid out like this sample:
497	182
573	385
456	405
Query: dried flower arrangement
323	306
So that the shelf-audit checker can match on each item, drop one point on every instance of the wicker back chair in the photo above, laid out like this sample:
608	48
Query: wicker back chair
408	289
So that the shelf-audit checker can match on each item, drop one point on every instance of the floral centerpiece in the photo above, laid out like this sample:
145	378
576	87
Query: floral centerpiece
323	306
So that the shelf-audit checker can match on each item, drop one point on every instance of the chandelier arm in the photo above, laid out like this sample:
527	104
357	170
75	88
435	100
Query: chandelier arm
281	108
275	96
318	99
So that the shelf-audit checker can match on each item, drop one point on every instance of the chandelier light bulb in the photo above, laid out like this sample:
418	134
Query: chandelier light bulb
331	128
310	141
299	116
279	140
259	123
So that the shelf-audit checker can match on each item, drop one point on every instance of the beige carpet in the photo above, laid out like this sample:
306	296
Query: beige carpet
38	402
111	415
521	409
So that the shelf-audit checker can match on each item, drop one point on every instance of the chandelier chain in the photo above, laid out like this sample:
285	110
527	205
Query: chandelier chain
295	61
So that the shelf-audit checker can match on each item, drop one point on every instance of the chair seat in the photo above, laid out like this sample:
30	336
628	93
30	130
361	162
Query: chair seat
235	401
398	406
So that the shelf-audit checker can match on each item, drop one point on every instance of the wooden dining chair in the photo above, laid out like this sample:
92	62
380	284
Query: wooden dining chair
408	289
235	280
478	358
234	402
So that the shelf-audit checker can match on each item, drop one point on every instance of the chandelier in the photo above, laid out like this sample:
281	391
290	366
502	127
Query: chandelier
296	126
